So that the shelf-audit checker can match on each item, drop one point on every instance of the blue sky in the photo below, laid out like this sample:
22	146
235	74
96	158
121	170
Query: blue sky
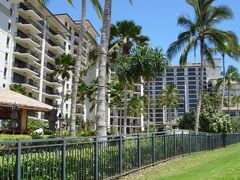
157	17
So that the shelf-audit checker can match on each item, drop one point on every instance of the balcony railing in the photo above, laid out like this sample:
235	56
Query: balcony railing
49	41
21	50
54	33
51	92
50	54
29	21
26	81
28	66
50	79
29	7
25	36
49	66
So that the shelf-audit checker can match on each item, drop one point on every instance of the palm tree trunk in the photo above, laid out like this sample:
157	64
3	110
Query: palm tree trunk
77	71
170	117
229	100
148	106
199	103
223	88
62	96
115	121
101	96
125	111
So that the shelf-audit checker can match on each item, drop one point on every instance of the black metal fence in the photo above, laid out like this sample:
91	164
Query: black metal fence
99	157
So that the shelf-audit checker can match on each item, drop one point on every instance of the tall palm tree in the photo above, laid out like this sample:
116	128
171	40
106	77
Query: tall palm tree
18	88
236	101
65	66
232	75
232	53
169	98
148	62
202	32
76	74
124	35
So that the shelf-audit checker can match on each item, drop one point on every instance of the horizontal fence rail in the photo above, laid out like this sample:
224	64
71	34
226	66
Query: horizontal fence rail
99	157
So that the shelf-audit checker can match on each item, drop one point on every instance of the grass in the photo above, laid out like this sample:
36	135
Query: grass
218	164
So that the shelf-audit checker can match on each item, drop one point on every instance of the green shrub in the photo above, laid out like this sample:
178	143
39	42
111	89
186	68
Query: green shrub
34	124
13	137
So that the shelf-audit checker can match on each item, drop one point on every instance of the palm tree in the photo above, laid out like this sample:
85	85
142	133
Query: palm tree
65	67
169	98
232	52
126	34
232	75
76	75
202	32
18	88
148	62
236	101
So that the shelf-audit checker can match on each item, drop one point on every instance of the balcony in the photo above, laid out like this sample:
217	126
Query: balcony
55	34
27	54
50	66
51	92
55	46
27	39
51	80
27	82
28	25
30	11
28	67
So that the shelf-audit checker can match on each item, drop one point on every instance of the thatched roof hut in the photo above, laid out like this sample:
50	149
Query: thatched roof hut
8	98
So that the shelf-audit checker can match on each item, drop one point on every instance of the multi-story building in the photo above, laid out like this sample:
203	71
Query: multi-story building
186	80
31	37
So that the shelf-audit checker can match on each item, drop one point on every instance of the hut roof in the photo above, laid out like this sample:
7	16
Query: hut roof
8	98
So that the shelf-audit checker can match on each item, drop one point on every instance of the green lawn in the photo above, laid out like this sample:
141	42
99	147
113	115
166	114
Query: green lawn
218	164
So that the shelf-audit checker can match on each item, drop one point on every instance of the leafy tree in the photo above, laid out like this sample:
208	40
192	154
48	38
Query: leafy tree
211	99
187	121
18	88
169	98
65	66
231	75
202	32
235	121
236	101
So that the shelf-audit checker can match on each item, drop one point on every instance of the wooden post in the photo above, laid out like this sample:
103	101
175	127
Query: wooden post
23	120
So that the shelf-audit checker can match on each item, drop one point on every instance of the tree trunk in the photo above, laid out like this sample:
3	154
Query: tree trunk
77	70
101	96
170	117
223	88
62	96
148	106
199	103
237	111
125	111
229	100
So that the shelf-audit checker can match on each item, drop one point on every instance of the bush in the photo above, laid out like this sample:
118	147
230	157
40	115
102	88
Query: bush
13	137
87	133
235	121
34	124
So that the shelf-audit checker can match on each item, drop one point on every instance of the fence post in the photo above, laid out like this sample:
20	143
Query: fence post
18	160
120	154
165	145
64	159
189	142
139	150
96	159
153	148
175	144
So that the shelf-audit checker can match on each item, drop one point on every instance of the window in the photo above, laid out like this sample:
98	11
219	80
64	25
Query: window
4	85
5	71
67	86
11	11
66	24
6	56
9	26
7	41
66	106
70	28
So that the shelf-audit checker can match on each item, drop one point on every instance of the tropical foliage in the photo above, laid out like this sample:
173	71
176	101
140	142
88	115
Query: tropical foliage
202	31
18	88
